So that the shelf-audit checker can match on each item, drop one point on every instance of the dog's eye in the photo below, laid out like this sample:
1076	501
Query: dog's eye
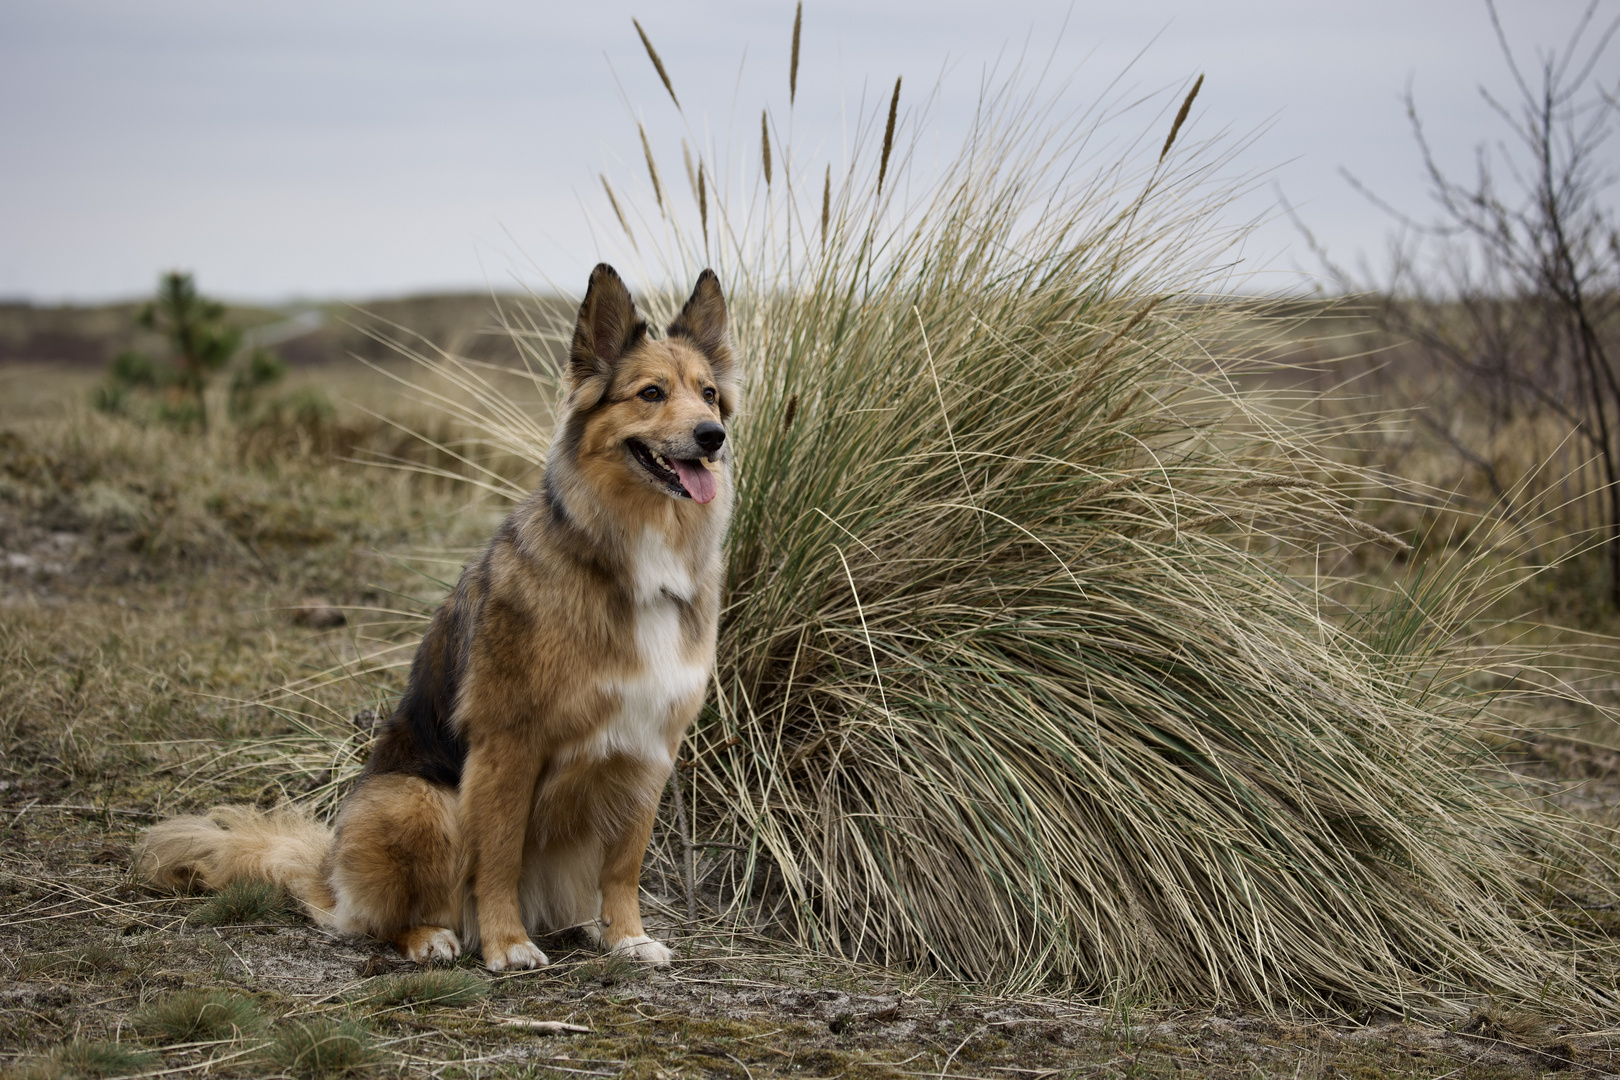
652	393
708	394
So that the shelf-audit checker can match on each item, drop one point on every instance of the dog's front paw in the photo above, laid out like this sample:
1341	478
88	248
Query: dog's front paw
515	956
425	944
645	949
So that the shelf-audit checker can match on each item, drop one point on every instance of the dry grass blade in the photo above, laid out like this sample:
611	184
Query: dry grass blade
691	173
888	136
657	62
793	62
1181	116
765	144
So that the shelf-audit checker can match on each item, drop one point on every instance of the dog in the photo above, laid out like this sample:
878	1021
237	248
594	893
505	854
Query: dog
514	788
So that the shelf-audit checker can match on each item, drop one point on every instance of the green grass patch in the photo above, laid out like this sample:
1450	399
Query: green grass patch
199	1016
242	903
441	986
317	1049
88	1059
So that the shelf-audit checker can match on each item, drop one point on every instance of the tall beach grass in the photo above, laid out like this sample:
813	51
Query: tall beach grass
1012	683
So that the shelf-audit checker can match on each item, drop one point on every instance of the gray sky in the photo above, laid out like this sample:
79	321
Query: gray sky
357	148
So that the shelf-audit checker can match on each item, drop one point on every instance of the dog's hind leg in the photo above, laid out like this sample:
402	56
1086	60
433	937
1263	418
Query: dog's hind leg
394	866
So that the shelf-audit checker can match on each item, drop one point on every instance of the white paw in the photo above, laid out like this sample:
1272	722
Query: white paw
441	944
645	949
515	957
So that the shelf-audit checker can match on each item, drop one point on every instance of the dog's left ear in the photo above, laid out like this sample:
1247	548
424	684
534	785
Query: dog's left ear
608	327
703	322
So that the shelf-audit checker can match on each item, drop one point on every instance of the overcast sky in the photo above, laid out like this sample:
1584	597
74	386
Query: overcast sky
356	148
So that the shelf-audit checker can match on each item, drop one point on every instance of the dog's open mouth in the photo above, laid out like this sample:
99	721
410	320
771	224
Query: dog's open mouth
684	478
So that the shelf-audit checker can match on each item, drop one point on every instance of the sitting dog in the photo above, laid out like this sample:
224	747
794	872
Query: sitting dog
514	788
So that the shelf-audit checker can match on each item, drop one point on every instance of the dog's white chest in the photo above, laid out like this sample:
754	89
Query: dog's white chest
659	574
665	679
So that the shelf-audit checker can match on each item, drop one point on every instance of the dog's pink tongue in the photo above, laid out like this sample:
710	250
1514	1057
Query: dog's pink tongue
698	481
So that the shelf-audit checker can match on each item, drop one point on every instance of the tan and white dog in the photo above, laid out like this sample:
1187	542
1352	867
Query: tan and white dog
514	788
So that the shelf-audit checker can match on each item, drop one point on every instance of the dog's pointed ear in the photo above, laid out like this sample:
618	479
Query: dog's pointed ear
703	322
608	327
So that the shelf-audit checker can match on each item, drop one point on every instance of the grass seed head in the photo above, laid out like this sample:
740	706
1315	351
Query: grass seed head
652	169
617	212
826	205
888	135
793	62
1181	116
765	144
703	204
657	62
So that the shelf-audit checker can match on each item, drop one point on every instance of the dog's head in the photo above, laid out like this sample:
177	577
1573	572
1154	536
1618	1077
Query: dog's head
650	414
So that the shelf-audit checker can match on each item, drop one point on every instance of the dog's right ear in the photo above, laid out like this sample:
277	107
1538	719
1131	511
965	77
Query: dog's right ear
608	327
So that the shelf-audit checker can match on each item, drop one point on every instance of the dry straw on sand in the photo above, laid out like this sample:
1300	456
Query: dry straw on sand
1011	683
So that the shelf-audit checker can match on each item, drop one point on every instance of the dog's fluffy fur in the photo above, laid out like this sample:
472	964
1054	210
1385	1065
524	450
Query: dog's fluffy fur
514	788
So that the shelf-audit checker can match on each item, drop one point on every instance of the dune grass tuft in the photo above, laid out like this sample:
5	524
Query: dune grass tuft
321	1049
1013	682
80	1060
242	903
199	1016
434	986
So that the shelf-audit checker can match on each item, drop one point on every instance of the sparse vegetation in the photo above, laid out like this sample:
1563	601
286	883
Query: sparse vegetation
200	344
88	1061
89	960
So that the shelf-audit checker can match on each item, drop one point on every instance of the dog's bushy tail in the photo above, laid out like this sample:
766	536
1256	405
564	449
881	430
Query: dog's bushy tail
284	847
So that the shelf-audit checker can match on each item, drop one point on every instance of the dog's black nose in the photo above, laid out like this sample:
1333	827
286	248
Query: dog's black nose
709	435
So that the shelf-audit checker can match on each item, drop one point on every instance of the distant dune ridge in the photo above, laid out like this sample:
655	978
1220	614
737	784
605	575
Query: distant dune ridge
304	335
